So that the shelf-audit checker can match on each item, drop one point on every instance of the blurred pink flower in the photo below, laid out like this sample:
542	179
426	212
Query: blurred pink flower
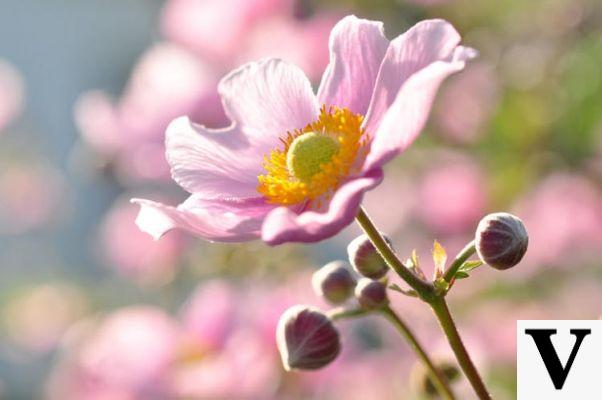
452	195
304	199
30	325
32	195
254	29
244	369
563	215
11	93
128	356
167	82
467	103
300	42
210	314
133	253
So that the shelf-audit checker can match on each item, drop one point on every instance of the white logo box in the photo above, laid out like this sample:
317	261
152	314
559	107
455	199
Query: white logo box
584	379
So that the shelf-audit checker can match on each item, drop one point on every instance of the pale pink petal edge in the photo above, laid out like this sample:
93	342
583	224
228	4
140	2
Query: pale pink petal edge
283	225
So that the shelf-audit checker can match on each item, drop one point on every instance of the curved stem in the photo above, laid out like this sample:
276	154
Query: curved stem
449	327
424	289
435	373
342	313
427	293
464	255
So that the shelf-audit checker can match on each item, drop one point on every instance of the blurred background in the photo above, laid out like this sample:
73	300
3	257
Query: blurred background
90	308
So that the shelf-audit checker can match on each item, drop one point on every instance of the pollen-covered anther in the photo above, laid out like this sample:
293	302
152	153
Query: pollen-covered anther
315	160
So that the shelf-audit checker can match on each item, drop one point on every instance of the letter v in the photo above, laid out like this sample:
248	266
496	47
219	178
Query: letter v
543	341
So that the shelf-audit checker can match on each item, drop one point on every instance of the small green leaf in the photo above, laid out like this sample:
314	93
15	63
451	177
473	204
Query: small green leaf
461	275
470	265
441	285
409	292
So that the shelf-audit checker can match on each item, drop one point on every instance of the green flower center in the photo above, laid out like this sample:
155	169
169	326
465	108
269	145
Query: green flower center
308	153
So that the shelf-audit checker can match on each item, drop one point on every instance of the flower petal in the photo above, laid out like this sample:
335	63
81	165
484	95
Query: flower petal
409	112
267	99
264	100
212	163
284	225
357	47
214	220
426	42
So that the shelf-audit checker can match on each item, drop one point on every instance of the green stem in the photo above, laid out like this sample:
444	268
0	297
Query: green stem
342	313
460	259
435	373
427	292
455	341
424	289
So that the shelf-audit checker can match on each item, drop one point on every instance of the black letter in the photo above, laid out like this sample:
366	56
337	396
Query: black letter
543	341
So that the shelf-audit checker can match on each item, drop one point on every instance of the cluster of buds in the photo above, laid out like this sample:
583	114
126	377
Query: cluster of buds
307	338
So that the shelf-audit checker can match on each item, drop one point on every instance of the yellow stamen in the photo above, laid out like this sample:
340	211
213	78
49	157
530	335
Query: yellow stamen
316	159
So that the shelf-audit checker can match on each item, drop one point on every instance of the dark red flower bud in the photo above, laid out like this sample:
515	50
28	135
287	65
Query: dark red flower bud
306	338
371	294
501	240
334	282
365	258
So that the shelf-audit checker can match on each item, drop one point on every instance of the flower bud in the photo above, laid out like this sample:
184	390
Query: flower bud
501	240
334	282
365	258
371	294
306	338
422	383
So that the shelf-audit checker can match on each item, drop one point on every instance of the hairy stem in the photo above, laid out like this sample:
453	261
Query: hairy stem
427	292
455	341
464	255
424	289
437	377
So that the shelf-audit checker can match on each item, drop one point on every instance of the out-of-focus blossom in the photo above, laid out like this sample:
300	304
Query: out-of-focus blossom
244	369
37	317
31	196
245	187
126	357
211	352
300	42
249	29
467	103
168	82
180	78
210	314
563	215
195	23
12	93
134	254
452	195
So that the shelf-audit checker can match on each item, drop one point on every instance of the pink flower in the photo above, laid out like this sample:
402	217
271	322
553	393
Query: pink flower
467	103
451	195
127	356
11	93
33	196
563	215
293	166
168	81
194	23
